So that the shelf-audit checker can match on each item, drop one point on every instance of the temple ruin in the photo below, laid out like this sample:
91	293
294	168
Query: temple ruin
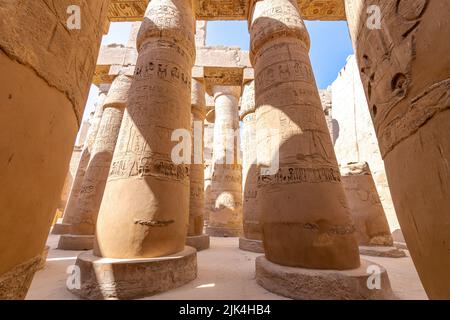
204	164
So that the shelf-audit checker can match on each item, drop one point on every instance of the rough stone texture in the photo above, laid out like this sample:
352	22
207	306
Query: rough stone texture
76	242
144	212
112	279
354	133
306	221
251	245
225	217
91	192
43	258
208	139
70	210
45	78
364	203
196	174
14	284
61	228
132	10
200	242
250	211
307	284
405	70
382	251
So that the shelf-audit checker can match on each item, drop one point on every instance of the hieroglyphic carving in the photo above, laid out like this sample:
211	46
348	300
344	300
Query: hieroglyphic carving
222	76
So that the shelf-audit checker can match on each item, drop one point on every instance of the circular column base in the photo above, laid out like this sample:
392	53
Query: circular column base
200	242
116	279
381	251
315	284
61	228
223	232
76	242
251	245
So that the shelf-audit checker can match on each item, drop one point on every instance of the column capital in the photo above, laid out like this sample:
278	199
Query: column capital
219	90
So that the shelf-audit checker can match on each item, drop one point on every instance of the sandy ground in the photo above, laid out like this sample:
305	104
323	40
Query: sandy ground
224	272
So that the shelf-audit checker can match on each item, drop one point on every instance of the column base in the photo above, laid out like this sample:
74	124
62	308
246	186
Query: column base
251	245
117	279
61	228
314	284
400	245
223	232
381	251
76	242
200	242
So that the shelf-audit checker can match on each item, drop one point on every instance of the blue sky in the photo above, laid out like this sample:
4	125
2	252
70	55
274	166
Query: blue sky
330	46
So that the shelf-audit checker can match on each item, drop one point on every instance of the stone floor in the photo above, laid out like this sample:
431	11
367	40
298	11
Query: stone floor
224	272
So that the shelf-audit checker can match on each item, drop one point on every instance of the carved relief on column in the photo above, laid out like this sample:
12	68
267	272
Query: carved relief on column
372	228
405	69
74	194
306	221
144	212
226	184
196	174
250	211
94	182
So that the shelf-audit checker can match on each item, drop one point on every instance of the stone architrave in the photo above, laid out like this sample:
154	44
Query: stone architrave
82	227
195	236
143	218
46	71
252	238
304	211
402	50
72	202
225	218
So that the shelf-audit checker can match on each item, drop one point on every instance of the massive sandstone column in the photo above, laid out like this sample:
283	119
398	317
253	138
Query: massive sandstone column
372	228
252	239
225	218
306	221
143	218
83	220
208	140
196	238
405	69
46	73
71	205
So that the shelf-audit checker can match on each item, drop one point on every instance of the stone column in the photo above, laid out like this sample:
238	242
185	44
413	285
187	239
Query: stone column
45	78
305	216
142	222
252	239
70	209
195	237
82	227
404	63
208	149
225	218
372	228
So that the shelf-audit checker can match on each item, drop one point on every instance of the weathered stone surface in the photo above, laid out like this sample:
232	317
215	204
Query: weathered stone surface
354	133
144	212
305	217
196	174
132	10
225	216
251	245
43	258
45	78
71	207
382	251
61	228
113	279
308	284
200	242
250	211
208	155
14	284
405	70
364	204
